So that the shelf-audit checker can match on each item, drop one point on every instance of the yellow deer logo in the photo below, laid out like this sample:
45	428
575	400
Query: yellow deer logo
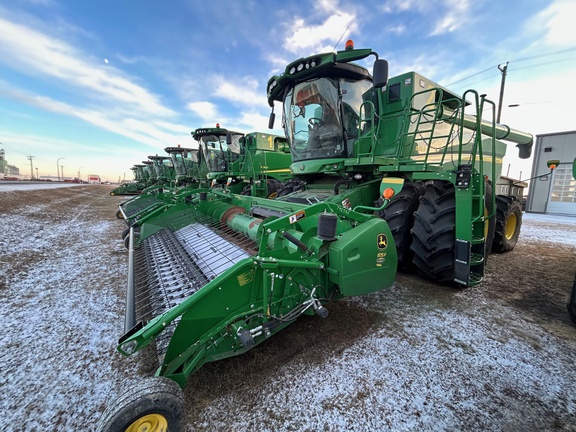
382	241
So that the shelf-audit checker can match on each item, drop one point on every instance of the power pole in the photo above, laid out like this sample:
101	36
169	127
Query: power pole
31	167
503	70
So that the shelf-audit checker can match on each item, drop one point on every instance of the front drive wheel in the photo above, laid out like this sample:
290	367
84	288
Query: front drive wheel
434	232
508	223
152	405
399	213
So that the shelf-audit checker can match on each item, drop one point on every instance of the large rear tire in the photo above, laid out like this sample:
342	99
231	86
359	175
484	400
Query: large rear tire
508	223
434	232
399	213
152	405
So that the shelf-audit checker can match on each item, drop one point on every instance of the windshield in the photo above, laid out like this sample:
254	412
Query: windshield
178	162
214	151
318	123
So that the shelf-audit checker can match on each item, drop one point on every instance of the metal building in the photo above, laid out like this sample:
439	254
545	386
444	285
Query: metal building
555	192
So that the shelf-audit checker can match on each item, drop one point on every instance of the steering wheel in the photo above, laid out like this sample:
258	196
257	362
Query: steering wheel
315	121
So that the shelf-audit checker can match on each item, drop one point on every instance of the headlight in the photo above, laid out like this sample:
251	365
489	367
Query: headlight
129	347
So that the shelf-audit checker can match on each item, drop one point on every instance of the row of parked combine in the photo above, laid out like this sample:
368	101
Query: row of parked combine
248	232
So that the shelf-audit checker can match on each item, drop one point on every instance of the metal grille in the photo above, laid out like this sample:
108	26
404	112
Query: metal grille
171	266
132	207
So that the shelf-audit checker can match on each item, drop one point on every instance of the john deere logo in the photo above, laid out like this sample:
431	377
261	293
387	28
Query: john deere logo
382	241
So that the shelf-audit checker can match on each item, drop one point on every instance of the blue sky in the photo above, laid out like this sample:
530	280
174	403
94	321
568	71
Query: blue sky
105	84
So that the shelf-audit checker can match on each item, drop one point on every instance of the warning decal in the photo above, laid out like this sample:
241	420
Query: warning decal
297	216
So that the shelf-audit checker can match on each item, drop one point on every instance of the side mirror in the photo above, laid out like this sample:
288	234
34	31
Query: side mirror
271	120
380	73
228	138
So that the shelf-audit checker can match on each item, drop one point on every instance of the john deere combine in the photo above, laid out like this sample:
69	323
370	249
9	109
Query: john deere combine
134	187
387	172
253	164
186	166
161	178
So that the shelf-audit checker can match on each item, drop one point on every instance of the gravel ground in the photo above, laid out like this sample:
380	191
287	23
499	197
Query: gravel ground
418	356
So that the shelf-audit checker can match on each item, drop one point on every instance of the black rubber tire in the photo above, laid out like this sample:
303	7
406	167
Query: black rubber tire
126	238
490	232
291	186
434	232
247	190
119	215
508	223
399	213
152	396
273	186
572	303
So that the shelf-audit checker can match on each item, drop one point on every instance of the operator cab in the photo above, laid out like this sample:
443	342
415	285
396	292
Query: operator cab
321	117
217	152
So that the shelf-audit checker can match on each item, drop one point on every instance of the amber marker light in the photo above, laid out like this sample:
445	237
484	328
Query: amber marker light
349	45
388	193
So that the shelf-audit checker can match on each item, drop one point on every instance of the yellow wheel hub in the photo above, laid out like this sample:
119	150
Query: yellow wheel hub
511	224
149	423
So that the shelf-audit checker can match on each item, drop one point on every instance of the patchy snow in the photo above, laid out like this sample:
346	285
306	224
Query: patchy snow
414	357
547	228
7	186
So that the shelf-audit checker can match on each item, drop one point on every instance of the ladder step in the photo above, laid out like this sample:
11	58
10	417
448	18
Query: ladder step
475	279
476	259
477	240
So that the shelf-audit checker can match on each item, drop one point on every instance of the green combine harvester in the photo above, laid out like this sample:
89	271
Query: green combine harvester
186	166
254	164
160	179
134	187
388	173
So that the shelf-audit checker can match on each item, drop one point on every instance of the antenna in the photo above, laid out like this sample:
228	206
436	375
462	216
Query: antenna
341	36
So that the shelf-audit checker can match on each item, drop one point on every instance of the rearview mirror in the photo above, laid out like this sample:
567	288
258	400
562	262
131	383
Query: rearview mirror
380	73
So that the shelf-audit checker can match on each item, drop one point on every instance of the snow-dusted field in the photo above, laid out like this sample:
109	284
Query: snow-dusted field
7	186
498	357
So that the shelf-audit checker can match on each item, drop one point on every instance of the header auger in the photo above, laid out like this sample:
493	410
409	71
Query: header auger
388	174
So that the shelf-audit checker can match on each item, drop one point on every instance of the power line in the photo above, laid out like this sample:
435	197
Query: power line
545	55
545	64
521	60
473	75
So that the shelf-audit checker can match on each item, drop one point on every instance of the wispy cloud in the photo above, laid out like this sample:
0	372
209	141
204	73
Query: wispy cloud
320	31
558	21
244	90
207	111
454	16
150	131
32	52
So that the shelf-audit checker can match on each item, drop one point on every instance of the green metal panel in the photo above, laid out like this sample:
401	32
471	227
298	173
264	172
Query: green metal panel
366	257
